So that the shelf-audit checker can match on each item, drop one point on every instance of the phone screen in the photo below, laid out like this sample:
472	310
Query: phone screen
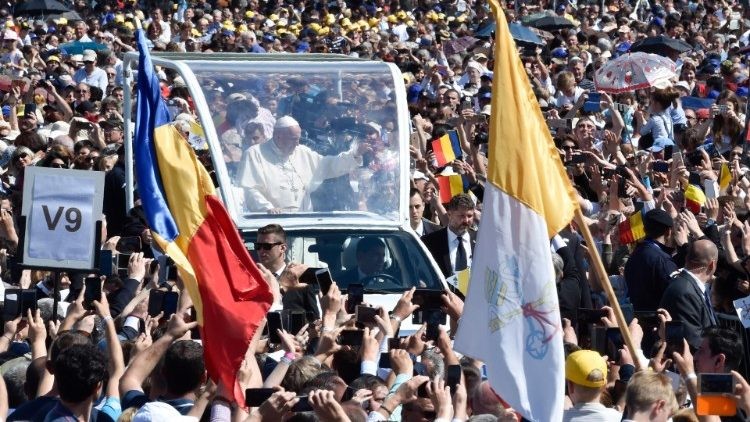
254	397
28	301
155	299
323	277
366	314
351	337
297	320
428	298
169	303
105	262
129	244
122	264
11	305
93	291
354	296
453	376
303	405
274	323
385	361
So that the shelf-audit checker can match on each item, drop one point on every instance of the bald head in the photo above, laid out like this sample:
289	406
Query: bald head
702	255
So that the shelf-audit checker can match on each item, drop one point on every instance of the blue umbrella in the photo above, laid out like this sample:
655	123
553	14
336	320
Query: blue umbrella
523	35
77	47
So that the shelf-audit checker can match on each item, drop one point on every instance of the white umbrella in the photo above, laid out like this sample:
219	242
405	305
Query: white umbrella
633	71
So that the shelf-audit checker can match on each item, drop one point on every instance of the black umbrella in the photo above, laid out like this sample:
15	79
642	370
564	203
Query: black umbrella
40	8
524	35
551	23
661	45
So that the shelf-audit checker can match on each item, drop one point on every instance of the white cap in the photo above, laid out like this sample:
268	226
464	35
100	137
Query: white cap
89	56
160	411
285	122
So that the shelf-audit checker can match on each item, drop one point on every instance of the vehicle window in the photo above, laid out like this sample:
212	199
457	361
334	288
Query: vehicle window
339	153
386	261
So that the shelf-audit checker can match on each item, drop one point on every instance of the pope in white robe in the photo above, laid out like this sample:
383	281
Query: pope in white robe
278	176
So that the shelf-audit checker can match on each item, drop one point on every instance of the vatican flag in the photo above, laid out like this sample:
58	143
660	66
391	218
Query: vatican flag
511	319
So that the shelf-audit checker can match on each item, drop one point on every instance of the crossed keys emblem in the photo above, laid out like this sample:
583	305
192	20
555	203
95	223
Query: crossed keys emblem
505	296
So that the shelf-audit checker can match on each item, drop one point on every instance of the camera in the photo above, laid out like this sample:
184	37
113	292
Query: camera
481	137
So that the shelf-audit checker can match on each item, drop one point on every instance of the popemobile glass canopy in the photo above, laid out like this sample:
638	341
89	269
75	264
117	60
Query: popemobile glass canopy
351	160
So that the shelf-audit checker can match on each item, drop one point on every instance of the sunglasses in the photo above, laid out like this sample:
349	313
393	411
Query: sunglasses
266	246
57	165
568	147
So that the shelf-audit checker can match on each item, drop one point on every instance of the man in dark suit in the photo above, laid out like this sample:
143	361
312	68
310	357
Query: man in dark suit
418	223
687	297
271	248
370	256
453	246
650	266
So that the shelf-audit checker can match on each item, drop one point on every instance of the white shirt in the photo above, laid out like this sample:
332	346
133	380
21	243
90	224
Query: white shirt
420	228
453	248
274	180
97	78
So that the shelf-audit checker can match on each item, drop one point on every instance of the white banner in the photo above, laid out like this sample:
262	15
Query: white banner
61	209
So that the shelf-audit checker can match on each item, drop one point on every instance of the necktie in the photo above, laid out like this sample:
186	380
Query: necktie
460	256
707	297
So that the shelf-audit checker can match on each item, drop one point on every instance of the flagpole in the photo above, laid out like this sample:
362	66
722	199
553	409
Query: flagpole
601	273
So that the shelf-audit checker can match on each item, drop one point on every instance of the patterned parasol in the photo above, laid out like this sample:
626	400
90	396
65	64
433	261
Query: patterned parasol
633	71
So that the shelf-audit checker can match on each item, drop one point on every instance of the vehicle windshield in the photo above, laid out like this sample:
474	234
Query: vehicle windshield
311	139
387	261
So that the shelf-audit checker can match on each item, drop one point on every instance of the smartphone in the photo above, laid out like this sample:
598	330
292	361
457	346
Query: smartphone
668	150
385	361
593	104
12	304
647	319
122	264
394	343
599	340
615	343
432	332
466	104
28	301
591	316
366	314
695	158
715	395
324	280
422	390
308	277
453	376
661	167
428	298
93	291
578	159
674	332
129	244
169	303
195	333
351	337
677	159
303	405
254	397
274	323
155	302
167	266
297	320
355	294
105	262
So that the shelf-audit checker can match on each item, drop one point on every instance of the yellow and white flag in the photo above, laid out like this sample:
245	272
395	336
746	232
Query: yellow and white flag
511	319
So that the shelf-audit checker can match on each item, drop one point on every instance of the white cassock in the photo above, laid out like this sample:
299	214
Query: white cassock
272	179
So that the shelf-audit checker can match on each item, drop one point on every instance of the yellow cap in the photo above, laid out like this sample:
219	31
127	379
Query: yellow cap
242	28
441	16
249	14
315	26
401	14
461	18
586	368
129	25
330	19
62	21
9	24
119	18
410	23
345	22
451	18
392	19
373	22
274	17
195	33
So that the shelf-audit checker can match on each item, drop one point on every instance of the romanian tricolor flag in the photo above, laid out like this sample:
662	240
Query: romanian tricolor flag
190	224
694	198
511	318
725	177
447	148
631	230
451	186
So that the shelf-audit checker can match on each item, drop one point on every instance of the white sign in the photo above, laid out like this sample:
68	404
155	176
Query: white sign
61	209
743	310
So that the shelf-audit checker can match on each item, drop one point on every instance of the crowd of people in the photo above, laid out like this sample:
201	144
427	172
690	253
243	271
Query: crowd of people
661	173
